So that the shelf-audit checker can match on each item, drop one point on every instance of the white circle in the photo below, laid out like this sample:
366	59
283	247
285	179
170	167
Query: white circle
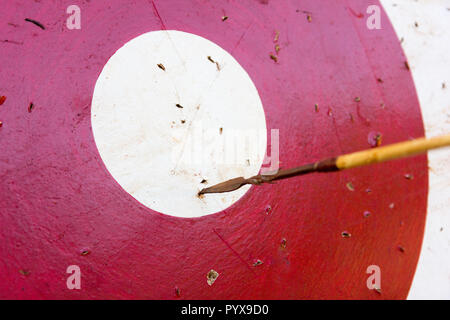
173	113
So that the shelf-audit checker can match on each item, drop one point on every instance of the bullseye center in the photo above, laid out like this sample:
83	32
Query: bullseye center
173	113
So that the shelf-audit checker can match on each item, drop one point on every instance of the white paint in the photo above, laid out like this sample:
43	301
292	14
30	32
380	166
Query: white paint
427	48
139	132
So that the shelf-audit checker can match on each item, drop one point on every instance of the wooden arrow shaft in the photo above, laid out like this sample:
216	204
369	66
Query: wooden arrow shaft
391	152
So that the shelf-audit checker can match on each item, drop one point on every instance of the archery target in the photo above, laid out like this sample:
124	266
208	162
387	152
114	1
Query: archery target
311	70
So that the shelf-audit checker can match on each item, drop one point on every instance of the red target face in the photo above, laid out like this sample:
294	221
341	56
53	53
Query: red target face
86	119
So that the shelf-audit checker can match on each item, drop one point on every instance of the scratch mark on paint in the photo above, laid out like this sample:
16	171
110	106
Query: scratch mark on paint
156	12
242	37
12	42
232	250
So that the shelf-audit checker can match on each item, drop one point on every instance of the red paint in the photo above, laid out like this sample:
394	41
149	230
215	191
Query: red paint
57	198
357	15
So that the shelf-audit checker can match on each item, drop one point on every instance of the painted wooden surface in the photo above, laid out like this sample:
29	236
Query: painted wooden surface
58	201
